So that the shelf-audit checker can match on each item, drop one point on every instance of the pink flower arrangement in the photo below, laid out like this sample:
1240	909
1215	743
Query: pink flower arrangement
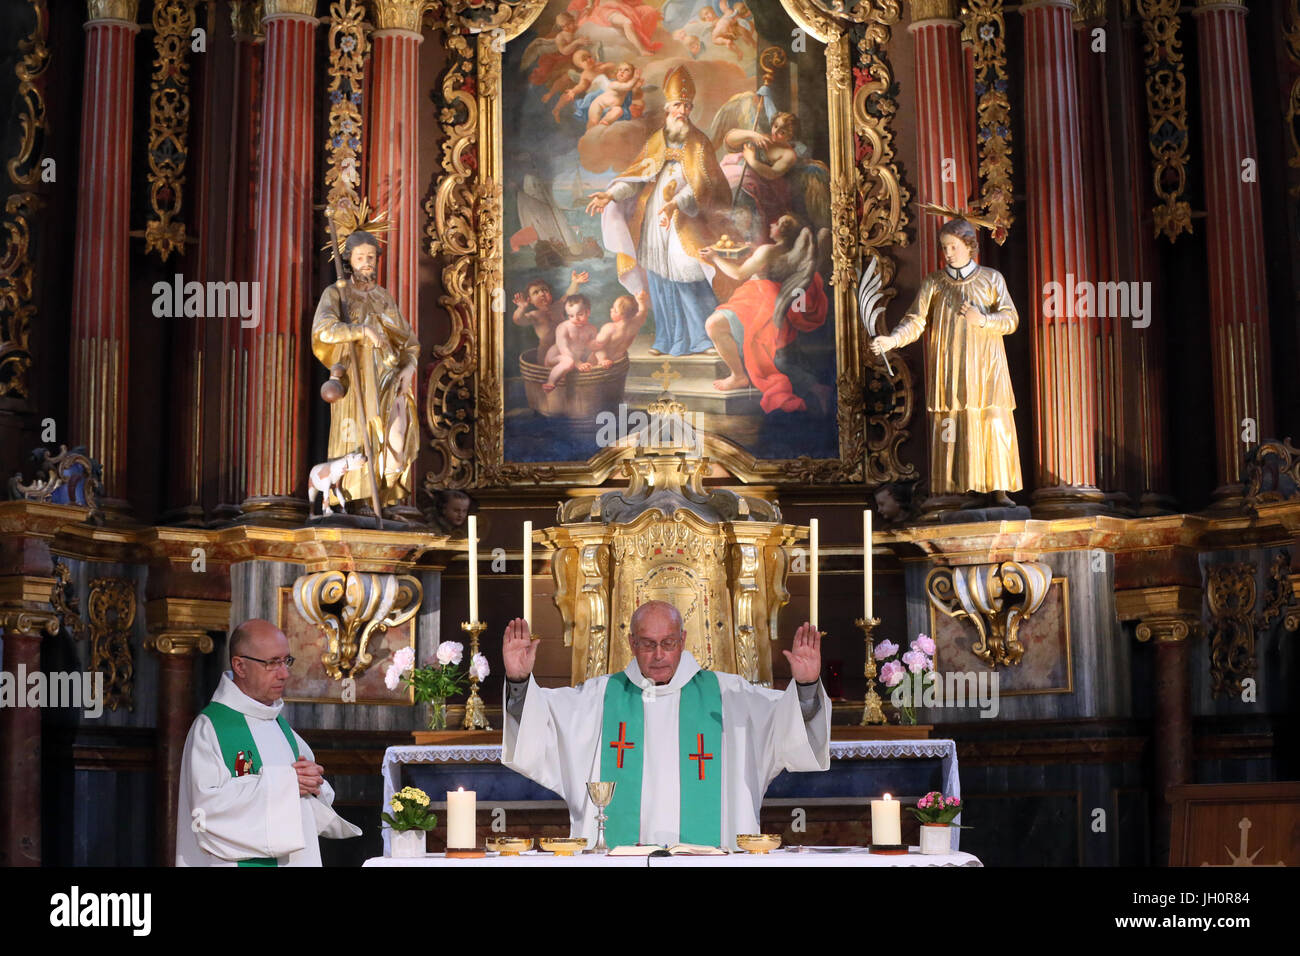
892	674
934	807
885	650
924	643
907	672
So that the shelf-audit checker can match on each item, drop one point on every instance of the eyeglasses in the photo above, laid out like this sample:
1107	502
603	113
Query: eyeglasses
668	644
273	664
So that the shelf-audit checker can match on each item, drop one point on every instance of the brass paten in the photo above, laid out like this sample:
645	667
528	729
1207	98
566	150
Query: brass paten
758	843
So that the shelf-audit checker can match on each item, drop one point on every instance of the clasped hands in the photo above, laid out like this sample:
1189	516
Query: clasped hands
310	777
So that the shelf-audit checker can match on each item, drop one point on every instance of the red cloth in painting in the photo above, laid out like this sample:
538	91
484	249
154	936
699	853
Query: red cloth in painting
753	303
643	18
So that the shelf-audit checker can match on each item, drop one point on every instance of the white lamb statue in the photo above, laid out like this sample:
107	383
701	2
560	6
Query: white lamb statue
324	480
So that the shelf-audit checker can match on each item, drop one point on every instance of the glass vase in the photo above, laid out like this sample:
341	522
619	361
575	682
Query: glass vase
438	713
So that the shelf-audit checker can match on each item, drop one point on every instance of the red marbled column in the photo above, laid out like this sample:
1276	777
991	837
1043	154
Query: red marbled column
20	745
392	144
277	400
1065	403
942	120
1102	264
100	279
1239	339
1172	730
239	257
1144	351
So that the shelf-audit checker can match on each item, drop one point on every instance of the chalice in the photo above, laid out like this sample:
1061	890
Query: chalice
601	793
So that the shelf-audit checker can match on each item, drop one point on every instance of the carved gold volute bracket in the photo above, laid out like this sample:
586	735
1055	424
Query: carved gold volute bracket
1166	615
996	599
351	607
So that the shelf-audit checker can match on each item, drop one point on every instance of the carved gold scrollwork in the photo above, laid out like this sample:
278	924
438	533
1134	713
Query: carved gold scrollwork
64	601
593	566
1282	597
993	112
69	477
352	607
1272	472
996	599
1230	591
112	615
16	269
347	46
744	594
169	120
1166	88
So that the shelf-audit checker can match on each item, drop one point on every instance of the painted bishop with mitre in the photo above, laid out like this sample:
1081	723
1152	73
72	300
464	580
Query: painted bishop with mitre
691	751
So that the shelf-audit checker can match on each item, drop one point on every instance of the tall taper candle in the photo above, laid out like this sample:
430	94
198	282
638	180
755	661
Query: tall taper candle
460	818
473	568
528	574
812	579
886	825
866	563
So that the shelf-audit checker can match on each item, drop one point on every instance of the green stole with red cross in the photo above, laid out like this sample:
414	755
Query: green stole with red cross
699	747
235	738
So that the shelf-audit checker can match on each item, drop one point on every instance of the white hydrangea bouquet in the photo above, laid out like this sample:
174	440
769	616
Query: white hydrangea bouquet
437	680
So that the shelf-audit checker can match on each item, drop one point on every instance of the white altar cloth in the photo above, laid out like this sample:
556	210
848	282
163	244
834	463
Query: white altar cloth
857	856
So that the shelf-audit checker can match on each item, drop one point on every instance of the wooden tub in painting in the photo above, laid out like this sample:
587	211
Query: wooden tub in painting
581	396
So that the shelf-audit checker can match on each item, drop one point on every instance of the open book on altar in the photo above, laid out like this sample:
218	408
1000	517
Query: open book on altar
677	849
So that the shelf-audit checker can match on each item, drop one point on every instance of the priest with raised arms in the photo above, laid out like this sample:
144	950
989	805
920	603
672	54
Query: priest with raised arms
251	791
691	751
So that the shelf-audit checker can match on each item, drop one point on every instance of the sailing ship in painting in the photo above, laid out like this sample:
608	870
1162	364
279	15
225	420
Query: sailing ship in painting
668	152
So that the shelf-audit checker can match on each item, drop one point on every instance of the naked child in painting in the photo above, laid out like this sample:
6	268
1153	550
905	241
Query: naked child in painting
536	307
626	316
573	338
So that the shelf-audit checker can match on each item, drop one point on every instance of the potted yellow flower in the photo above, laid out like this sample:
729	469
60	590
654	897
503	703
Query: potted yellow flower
410	821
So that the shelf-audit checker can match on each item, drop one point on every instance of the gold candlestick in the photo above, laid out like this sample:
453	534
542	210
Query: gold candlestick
475	711
872	712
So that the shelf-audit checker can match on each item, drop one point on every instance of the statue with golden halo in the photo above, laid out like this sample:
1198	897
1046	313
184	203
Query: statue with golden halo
372	352
968	310
655	216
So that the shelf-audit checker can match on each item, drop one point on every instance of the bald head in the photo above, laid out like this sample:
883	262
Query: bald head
252	644
657	638
657	609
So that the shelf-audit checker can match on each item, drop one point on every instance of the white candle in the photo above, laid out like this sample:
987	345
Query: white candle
528	574
460	819
473	568
866	562
812	579
886	826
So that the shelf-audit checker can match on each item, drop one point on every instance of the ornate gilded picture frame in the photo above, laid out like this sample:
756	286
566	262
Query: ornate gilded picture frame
571	200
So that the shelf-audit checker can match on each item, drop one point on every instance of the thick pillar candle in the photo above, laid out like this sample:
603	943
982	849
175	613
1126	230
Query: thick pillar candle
473	568
886	825
461	805
866	563
528	574
812	580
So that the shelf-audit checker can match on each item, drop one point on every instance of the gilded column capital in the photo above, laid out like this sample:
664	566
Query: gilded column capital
1168	628
288	8
178	642
246	19
928	10
1088	12
1035	4
1204	5
124	10
29	622
1168	614
398	14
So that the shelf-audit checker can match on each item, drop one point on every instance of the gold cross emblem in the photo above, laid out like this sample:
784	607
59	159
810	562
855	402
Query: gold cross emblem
665	375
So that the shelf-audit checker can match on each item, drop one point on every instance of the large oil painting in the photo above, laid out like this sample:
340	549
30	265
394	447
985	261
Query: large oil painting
667	222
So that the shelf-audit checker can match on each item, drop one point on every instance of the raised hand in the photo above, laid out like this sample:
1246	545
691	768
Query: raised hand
805	656
598	203
518	650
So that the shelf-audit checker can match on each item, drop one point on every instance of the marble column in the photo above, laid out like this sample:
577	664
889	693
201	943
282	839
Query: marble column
101	297
942	119
276	420
20	729
239	255
1239	339
1167	616
1065	400
178	634
392	146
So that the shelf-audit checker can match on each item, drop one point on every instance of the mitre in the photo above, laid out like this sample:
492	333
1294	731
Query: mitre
678	85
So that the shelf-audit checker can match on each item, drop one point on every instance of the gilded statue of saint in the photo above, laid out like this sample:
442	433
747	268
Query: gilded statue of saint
967	309
361	321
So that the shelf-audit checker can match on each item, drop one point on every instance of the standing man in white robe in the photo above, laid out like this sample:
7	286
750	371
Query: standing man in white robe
556	736
251	791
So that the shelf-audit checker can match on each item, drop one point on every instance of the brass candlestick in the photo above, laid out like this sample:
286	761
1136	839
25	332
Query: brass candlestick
872	712
475	711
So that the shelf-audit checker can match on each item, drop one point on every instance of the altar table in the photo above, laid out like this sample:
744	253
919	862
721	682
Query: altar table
860	770
858	856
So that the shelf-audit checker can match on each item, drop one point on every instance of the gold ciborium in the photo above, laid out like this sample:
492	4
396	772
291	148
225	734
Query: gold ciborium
562	846
758	843
601	793
510	846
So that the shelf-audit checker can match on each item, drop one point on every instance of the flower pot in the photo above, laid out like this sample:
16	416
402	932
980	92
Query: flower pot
407	843
936	838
